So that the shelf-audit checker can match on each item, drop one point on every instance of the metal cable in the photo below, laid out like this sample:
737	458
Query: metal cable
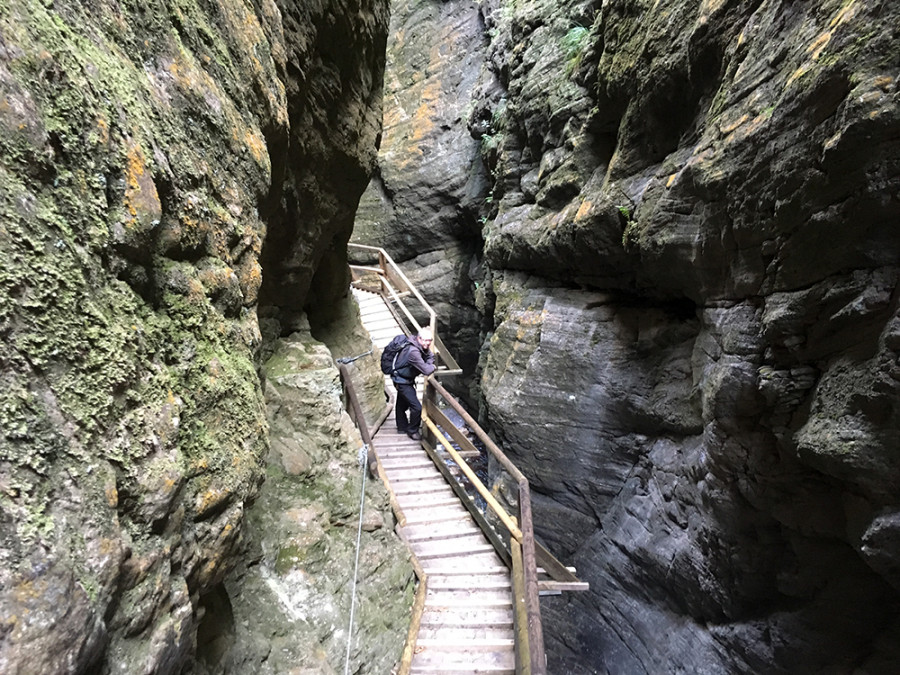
363	462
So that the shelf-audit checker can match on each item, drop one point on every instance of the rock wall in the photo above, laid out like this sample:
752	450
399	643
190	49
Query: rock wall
690	293
149	151
424	202
290	597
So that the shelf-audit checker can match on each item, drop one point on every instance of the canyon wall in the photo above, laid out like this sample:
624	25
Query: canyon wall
173	177
675	229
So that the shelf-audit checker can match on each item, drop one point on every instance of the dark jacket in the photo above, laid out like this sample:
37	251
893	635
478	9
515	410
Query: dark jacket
417	360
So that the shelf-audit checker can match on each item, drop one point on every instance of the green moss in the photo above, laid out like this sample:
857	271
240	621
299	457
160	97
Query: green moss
288	557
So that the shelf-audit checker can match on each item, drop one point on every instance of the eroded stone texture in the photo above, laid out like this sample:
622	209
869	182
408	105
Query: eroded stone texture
436	57
691	290
143	155
290	598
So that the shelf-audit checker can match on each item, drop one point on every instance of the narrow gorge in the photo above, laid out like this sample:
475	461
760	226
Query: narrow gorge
661	239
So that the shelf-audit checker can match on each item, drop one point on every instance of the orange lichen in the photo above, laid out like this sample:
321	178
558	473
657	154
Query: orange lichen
209	500
729	127
256	144
141	198
584	210
846	13
103	128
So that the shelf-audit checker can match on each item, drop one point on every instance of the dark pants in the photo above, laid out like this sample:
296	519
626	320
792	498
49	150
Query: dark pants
407	400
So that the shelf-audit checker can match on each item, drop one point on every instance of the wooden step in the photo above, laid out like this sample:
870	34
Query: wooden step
400	474
376	321
463	546
482	645
468	617
415	487
474	582
420	516
400	443
448	530
445	601
400	452
408	502
474	597
455	633
437	570
452	658
412	462
480	561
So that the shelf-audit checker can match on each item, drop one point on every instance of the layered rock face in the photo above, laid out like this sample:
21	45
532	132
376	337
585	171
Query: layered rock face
424	202
147	151
690	256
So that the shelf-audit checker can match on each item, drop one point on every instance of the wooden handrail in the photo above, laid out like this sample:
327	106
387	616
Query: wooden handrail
475	427
530	655
391	276
476	482
524	552
419	604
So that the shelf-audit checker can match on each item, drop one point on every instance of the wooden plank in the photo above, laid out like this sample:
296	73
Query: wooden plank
493	569
477	582
419	487
408	462
430	533
486	528
465	444
558	586
412	504
449	548
468	616
418	608
482	561
467	645
537	656
401	474
418	518
447	602
465	633
551	566
520	610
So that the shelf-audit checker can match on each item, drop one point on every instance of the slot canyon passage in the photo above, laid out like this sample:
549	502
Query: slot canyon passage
663	241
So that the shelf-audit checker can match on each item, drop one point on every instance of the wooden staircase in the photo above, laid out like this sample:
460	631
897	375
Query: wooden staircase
481	570
467	620
466	624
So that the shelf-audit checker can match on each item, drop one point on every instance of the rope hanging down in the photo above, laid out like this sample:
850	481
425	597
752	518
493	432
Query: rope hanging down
363	462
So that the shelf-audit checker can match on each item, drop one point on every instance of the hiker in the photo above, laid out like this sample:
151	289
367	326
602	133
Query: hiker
418	359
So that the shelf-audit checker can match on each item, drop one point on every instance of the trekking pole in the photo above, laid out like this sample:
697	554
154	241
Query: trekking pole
351	359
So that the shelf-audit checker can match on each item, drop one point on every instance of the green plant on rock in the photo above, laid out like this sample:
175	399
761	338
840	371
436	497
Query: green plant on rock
575	43
489	142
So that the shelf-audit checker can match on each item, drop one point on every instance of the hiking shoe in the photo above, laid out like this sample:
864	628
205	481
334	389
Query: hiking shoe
415	435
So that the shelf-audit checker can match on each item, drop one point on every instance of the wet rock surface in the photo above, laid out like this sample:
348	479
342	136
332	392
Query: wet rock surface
290	597
143	164
689	302
436	53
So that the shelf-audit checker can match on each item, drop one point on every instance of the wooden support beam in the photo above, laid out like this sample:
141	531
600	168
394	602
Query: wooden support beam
559	586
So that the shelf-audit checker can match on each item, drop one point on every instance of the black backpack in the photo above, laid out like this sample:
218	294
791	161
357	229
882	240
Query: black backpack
392	357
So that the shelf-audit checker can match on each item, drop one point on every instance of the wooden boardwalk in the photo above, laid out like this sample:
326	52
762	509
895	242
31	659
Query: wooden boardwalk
467	622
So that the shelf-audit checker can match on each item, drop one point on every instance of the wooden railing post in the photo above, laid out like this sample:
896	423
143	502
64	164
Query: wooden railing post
532	594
